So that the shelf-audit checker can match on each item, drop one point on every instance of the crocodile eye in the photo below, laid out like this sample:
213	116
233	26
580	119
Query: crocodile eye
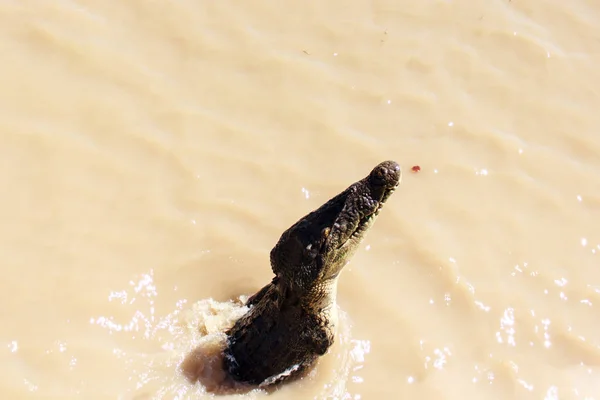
325	232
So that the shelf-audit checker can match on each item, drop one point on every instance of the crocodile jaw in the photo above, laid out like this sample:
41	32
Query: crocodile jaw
319	245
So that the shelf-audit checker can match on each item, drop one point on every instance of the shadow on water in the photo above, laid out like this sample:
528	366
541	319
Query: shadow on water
204	366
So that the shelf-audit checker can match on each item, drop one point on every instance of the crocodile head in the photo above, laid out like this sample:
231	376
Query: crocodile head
312	252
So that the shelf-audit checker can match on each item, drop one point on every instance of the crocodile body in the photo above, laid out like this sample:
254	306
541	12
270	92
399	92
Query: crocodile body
291	321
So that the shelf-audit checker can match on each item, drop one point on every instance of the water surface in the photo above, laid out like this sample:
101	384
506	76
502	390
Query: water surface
153	152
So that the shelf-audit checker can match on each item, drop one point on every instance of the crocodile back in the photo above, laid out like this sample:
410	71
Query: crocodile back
272	340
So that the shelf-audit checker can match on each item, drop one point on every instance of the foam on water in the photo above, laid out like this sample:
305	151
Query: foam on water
191	339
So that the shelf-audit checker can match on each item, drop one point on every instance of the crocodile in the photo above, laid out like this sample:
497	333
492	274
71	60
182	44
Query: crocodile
291	321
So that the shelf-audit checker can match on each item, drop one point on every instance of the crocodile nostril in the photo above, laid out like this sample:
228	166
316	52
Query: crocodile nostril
386	174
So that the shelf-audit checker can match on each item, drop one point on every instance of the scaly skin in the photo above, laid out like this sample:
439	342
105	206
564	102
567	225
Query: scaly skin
291	321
